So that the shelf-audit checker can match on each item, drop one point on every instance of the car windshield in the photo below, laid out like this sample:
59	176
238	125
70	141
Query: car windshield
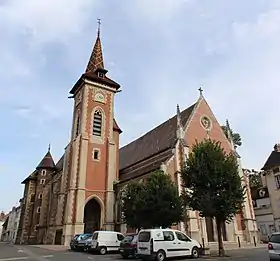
128	238
76	236
83	237
95	236
275	238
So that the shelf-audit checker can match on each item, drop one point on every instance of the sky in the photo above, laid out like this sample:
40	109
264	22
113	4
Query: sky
160	51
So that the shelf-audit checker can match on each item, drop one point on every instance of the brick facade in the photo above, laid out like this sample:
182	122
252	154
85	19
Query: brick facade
82	191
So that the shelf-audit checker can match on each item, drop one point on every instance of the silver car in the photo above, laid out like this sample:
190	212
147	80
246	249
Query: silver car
274	246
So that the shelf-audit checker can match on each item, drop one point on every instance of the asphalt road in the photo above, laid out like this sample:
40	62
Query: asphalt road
9	252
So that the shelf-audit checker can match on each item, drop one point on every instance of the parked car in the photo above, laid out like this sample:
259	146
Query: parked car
105	241
128	246
79	241
160	244
274	246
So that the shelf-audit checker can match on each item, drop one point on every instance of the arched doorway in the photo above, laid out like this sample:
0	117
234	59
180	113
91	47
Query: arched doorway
92	215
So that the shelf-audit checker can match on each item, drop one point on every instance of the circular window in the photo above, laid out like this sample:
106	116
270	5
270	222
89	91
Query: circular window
205	122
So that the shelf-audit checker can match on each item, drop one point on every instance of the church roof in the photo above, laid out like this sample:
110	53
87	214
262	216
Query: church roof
155	141
95	70
273	159
96	57
47	162
59	164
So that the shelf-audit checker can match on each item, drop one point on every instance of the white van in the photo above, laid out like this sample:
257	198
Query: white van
165	243
105	241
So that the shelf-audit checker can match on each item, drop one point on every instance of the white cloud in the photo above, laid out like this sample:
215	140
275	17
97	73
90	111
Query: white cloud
241	86
53	20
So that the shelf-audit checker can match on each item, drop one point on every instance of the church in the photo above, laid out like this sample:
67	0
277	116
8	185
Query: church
81	192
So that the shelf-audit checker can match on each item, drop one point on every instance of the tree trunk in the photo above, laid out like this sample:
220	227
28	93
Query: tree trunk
220	240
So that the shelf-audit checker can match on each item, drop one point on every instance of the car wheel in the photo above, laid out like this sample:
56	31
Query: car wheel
124	256
103	250
195	252
160	256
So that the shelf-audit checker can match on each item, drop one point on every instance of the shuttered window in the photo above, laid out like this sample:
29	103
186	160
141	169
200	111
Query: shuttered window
97	123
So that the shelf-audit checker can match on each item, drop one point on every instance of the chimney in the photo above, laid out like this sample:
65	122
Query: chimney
2	216
277	147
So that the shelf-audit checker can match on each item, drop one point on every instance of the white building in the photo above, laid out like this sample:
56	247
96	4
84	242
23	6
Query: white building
263	212
2	220
10	233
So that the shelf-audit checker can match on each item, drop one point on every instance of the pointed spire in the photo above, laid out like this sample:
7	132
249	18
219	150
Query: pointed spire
49	148
47	162
178	116
96	58
179	124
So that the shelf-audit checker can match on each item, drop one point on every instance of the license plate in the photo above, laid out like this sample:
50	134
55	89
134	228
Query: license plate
121	250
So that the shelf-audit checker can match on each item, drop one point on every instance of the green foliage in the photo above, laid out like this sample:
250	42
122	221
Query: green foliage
212	184
211	175
235	136
255	181
153	203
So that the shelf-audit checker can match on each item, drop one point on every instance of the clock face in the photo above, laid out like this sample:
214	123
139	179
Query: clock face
205	122
99	97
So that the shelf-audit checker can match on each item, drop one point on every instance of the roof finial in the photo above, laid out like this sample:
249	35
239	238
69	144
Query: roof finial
49	148
178	109
200	90
99	23
179	131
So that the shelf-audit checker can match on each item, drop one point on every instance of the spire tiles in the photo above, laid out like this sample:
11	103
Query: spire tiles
96	58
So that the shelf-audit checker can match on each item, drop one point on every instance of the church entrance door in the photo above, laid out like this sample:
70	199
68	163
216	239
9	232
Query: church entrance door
92	215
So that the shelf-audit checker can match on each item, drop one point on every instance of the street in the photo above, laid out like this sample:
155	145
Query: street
9	252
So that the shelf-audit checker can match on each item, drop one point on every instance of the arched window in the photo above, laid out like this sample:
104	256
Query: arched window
78	123
97	123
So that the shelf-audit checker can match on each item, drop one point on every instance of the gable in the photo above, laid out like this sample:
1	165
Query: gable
159	139
272	161
195	131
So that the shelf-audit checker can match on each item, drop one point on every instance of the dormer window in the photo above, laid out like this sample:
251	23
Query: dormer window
100	75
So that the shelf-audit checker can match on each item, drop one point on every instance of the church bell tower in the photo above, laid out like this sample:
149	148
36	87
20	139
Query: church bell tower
91	158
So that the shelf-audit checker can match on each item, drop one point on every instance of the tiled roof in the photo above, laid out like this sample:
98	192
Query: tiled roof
159	139
59	164
272	161
47	162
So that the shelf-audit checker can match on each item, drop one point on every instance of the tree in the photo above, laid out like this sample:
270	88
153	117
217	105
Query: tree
254	176
153	203
212	184
236	138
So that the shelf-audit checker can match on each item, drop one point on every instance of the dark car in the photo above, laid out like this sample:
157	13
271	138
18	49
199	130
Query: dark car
79	241
128	246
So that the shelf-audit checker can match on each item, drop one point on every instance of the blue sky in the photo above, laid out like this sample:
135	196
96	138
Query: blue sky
160	51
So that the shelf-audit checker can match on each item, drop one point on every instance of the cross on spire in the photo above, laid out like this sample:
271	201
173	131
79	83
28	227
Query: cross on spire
99	24
49	148
200	90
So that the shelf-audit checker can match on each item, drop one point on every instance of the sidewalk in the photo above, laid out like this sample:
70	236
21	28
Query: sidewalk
234	249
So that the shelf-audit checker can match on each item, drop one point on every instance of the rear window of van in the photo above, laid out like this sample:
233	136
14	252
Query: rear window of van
144	236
